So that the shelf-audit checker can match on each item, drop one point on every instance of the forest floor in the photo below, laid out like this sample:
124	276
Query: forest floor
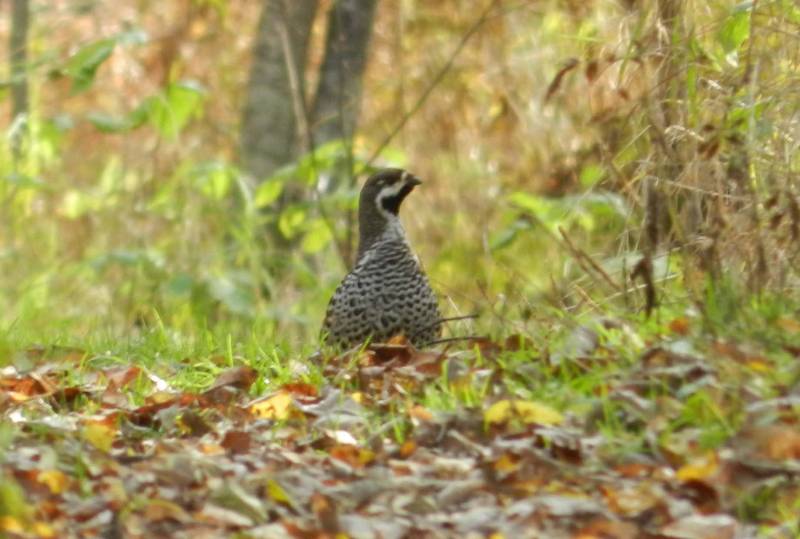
609	428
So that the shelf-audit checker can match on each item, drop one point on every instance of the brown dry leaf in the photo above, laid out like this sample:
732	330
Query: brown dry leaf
400	340
771	442
120	377
354	456
607	529
517	342
555	84
679	326
407	449
788	325
420	413
629	500
220	516
193	423
324	509
634	469
160	510
239	377
393	351
300	390
21	389
229	383
526	411
591	70
428	363
237	442
702	527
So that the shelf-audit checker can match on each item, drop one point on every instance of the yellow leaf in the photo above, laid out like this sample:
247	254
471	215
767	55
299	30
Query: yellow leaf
43	530
525	411
100	435
277	493
365	456
507	463
759	365
11	524
212	449
789	325
699	469
55	480
279	406
358	397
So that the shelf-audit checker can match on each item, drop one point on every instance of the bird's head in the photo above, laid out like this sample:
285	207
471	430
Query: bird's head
385	190
380	202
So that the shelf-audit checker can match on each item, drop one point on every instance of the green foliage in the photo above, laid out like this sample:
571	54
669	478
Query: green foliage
585	212
168	112
736	28
83	65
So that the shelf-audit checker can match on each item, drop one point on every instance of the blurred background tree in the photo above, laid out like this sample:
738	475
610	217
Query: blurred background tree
562	144
279	125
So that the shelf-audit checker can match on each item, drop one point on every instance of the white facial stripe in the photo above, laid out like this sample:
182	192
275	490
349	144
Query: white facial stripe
391	190
388	192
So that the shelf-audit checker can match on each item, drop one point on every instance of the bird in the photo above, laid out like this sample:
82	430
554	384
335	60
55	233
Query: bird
387	293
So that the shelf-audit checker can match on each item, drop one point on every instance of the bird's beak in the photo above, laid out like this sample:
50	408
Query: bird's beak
413	181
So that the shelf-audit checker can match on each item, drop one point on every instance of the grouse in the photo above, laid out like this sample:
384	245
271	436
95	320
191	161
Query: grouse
387	292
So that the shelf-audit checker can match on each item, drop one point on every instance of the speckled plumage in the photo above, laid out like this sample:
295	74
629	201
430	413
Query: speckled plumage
387	292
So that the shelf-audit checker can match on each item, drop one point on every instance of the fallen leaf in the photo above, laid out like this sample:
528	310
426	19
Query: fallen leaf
420	413
324	509
679	326
770	442
55	480
159	510
236	441
788	325
408	448
526	411
238	377
701	527
699	468
352	455
277	493
611	529
99	434
278	407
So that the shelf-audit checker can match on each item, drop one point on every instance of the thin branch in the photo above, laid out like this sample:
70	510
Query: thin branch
298	100
456	339
434	83
304	127
581	255
448	319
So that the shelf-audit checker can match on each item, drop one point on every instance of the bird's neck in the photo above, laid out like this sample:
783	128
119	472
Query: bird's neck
389	229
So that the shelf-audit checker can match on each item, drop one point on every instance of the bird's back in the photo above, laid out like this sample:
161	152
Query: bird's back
386	294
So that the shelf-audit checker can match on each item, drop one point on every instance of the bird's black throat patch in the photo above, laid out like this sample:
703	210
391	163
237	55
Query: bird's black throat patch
392	203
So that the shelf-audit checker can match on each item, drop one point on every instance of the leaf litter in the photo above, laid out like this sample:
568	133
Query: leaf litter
367	455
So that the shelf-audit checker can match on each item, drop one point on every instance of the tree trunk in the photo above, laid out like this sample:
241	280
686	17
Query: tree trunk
276	88
338	97
18	59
